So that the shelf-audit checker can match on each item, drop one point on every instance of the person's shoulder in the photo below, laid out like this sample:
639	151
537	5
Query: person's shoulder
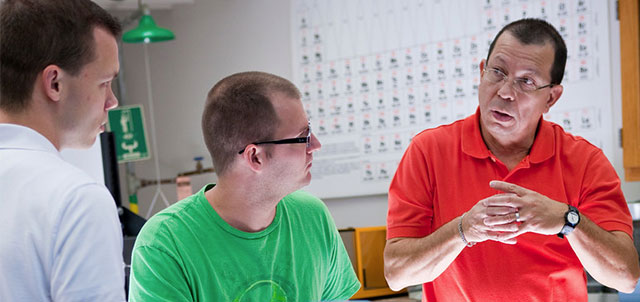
441	139
571	143
65	172
68	182
302	197
304	200
78	176
49	172
307	211
168	221
447	131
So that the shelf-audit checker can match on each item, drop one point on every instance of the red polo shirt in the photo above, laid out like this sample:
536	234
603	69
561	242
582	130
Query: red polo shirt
446	171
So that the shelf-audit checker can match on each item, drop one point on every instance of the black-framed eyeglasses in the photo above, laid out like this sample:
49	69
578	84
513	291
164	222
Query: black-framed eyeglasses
295	140
523	85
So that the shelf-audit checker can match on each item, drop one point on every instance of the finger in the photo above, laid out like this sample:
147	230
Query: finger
500	210
523	228
504	237
503	200
510	241
505	223
509	236
510	226
508	187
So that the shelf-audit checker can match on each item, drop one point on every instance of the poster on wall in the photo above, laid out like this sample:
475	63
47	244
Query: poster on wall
374	73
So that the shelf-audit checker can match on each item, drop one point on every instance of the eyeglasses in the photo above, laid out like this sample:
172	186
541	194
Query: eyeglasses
523	85
295	140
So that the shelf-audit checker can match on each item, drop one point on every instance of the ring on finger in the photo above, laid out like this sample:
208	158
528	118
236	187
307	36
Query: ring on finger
517	216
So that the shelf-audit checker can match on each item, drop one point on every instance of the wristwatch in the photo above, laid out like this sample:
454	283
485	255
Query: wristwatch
571	220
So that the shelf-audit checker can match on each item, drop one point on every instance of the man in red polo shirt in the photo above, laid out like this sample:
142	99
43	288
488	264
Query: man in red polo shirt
503	204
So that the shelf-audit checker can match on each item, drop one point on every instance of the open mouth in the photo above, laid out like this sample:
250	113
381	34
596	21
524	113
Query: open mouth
501	116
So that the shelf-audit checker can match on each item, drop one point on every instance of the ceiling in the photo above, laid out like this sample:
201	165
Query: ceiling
133	4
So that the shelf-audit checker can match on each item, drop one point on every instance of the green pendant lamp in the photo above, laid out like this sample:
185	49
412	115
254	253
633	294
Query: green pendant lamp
147	31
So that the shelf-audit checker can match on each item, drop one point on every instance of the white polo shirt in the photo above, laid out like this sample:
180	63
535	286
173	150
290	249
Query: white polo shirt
60	237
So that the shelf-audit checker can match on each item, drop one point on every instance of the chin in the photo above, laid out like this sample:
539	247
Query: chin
306	181
88	143
304	184
498	129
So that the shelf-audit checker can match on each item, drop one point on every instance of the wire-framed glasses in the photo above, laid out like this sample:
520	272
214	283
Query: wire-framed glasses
522	84
296	140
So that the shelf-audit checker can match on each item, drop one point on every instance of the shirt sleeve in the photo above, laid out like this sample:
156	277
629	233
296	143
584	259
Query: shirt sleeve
601	198
410	199
87	255
156	276
342	282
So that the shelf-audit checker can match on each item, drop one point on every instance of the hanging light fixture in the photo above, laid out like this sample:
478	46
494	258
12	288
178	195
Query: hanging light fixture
147	30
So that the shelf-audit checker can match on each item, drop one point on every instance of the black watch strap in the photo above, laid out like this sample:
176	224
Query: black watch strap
571	220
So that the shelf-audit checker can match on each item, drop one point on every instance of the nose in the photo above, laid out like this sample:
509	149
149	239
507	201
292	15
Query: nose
507	91
315	144
112	101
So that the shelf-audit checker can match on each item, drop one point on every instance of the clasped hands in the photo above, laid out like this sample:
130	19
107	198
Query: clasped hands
505	216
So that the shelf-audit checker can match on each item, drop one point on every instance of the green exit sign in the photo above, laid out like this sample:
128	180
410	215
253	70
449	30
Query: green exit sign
127	125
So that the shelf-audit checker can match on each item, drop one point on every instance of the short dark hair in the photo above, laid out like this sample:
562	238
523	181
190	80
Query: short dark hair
39	33
536	31
239	111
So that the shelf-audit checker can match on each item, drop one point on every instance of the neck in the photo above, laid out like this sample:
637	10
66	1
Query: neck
246	209
511	154
33	117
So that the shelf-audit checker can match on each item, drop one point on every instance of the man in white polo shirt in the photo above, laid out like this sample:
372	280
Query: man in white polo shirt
60	235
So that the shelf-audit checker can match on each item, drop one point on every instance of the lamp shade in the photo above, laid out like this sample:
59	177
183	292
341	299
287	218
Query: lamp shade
147	32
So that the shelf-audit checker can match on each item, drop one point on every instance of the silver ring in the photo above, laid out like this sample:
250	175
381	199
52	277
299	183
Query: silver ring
517	216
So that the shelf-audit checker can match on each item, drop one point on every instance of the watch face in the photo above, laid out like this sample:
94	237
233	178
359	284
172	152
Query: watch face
573	217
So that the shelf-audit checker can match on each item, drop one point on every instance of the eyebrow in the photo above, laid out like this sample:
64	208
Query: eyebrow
526	70
110	77
529	71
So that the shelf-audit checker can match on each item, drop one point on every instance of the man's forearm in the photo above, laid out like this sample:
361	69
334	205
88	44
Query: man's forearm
410	261
610	257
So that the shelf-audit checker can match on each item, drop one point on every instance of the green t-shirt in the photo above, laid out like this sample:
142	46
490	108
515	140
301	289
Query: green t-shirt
188	253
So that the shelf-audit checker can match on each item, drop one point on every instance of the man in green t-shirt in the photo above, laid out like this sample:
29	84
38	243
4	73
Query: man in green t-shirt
252	236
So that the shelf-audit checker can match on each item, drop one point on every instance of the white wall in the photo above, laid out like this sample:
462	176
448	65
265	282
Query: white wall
215	38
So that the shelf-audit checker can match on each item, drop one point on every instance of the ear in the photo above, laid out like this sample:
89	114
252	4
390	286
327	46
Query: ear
51	79
554	94
481	65
254	157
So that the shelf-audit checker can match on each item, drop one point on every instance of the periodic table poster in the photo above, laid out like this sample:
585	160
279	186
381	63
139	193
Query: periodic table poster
374	73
